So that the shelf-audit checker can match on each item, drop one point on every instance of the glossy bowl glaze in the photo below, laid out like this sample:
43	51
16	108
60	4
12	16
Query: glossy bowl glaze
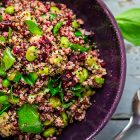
98	18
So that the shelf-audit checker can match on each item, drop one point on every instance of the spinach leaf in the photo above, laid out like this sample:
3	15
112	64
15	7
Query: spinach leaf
29	120
129	23
33	27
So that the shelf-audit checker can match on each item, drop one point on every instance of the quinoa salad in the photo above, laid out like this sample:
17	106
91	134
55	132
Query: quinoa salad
50	68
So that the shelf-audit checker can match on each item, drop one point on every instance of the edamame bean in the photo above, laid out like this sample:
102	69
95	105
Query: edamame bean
10	10
5	83
31	53
99	80
49	132
64	42
54	102
82	75
75	24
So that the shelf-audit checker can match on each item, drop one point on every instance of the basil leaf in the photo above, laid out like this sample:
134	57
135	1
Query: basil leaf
129	23
30	79
10	33
33	27
77	47
2	39
8	59
54	86
29	120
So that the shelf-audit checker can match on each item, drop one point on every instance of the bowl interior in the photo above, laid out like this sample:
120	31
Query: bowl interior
98	19
109	40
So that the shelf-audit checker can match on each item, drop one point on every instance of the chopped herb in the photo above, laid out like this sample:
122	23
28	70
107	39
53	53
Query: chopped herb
4	107
2	39
53	16
1	18
78	33
77	47
57	28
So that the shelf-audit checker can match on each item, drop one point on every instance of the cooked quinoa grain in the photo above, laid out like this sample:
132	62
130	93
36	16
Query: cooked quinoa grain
50	68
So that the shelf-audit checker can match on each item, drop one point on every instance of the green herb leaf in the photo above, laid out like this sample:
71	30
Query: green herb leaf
77	47
29	120
8	59
67	105
54	86
78	33
17	77
2	39
12	99
52	16
33	27
4	107
129	23
57	28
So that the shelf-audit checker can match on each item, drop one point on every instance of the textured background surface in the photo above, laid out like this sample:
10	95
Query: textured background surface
132	79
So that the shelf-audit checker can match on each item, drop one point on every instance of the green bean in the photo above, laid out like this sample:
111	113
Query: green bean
57	28
54	102
31	53
10	10
49	132
5	83
82	75
54	9
64	42
75	24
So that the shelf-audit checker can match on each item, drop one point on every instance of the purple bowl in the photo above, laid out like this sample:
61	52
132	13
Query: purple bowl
98	18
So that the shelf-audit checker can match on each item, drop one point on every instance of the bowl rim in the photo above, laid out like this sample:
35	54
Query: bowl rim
122	70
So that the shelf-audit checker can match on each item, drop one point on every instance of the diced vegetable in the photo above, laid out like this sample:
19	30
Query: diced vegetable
89	93
29	120
56	59
64	118
52	16
10	10
78	33
7	59
54	9
99	80
5	83
75	24
3	99
54	102
77	47
33	27
82	75
49	132
2	72
2	39
57	28
4	117
64	42
44	71
31	53
48	122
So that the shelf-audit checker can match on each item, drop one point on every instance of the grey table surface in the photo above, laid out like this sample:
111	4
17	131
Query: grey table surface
132	78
